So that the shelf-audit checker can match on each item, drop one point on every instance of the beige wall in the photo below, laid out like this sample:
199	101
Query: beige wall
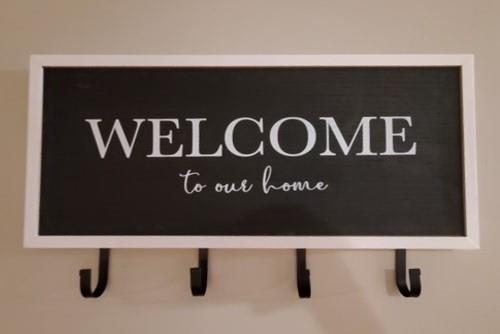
249	290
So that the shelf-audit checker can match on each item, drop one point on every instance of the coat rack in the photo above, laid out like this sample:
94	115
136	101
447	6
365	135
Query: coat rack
199	275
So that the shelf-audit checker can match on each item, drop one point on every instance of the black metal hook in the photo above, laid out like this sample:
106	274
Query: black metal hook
199	274
303	282
86	275
415	285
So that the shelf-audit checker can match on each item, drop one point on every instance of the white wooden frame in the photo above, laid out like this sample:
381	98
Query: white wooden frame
38	62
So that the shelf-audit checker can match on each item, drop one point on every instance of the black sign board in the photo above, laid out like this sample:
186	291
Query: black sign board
252	151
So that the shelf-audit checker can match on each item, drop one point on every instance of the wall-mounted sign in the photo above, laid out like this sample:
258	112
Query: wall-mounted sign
252	151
